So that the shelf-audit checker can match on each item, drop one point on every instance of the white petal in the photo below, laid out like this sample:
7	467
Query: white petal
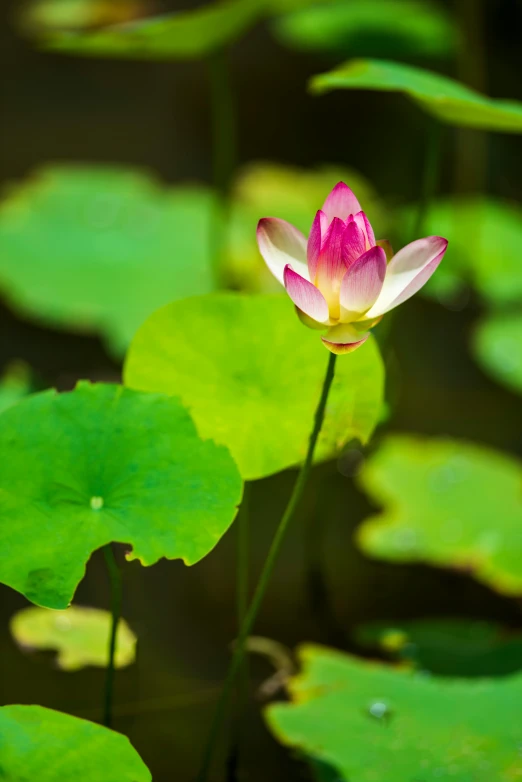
407	272
279	244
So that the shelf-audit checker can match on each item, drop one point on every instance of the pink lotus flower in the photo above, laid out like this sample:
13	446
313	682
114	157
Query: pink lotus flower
341	279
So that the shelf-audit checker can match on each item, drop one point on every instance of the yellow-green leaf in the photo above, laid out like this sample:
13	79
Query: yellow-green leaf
79	634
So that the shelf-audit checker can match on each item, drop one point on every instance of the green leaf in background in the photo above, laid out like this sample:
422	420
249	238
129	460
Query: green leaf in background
97	249
79	634
48	746
251	376
366	27
444	98
484	238
38	16
497	345
265	189
184	35
447	647
104	463
15	383
375	723
446	503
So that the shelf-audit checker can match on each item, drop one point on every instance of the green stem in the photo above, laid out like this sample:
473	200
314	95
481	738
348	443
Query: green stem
429	177
248	623
223	151
116	591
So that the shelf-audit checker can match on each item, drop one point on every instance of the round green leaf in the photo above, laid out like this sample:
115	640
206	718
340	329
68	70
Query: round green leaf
362	27
184	35
128	247
262	189
484	236
99	464
497	346
375	723
48	746
79	634
447	503
251	376
447	100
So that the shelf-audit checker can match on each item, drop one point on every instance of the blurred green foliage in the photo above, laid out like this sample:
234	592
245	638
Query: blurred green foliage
79	634
188	34
447	647
97	249
447	100
48	746
371	27
497	345
483	234
102	464
251	375
447	503
15	383
373	722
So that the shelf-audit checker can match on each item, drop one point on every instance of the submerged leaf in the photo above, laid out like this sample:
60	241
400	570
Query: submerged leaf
444	98
79	634
447	503
99	464
48	746
373	722
251	376
98	249
447	647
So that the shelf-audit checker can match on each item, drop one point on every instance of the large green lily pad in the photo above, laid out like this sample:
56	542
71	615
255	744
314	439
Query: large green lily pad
447	100
48	746
446	503
98	249
497	345
447	646
251	376
99	464
79	634
484	236
376	723
264	189
364	27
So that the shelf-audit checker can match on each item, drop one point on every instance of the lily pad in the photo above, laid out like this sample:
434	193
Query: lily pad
79	634
447	647
364	27
484	236
251	376
446	503
444	98
497	345
49	746
373	722
100	464
98	249
265	189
